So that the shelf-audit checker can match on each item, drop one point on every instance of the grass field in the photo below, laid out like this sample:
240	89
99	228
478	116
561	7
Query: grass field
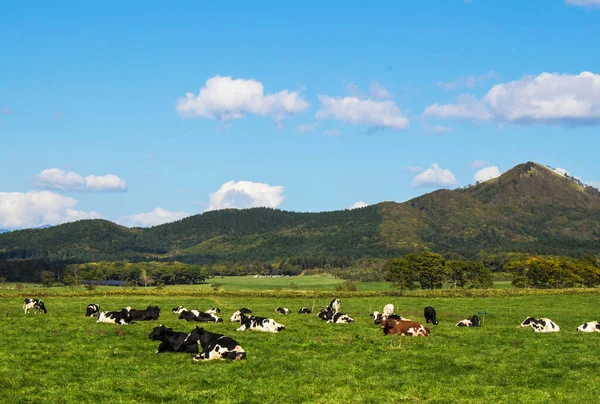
66	357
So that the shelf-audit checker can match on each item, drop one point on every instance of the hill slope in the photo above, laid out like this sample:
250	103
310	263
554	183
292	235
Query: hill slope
529	208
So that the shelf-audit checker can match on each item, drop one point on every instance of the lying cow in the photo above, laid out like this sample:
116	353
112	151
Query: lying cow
540	325
257	323
35	304
282	310
404	327
149	313
379	317
429	314
337	317
335	305
172	341
304	310
235	316
592	326
215	346
214	310
472	322
93	310
202	317
122	317
180	309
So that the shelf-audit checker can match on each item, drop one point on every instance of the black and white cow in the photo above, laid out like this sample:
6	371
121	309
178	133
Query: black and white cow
115	317
172	341
304	310
334	317
282	310
35	304
235	316
180	309
215	346
378	317
214	310
257	323
335	305
540	325
472	322
201	316
429	314
149	313
93	310
592	326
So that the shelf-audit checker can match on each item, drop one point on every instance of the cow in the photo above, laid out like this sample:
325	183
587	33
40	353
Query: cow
93	310
202	317
180	309
304	310
215	346
235	315
388	310
214	310
472	322
592	326
335	305
403	327
379	317
122	317
172	341
334	317
429	314
282	310
35	304
540	325
257	323
149	313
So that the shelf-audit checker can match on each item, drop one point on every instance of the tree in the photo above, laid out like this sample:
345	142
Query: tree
430	269
400	273
457	273
478	275
145	278
71	275
47	278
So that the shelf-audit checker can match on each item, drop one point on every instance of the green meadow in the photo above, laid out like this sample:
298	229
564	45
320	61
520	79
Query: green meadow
66	357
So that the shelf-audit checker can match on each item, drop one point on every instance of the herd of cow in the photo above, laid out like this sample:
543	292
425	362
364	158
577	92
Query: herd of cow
207	345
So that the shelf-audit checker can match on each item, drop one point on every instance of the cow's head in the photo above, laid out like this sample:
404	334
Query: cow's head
527	322
237	316
178	310
159	333
41	306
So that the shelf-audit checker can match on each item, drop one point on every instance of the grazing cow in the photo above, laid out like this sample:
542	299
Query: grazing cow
92	310
335	305
592	326
172	341
150	313
403	327
214	310
472	322
282	310
35	304
388	310
122	317
235	316
203	317
215	346
180	309
429	313
379	317
304	310
257	323
540	325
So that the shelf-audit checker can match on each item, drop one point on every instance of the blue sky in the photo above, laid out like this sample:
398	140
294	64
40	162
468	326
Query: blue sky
309	107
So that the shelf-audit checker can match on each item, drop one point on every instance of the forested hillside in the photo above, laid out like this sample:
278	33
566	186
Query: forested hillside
529	209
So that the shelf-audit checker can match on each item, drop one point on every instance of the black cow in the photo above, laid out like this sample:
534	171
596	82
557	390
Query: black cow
115	317
215	346
304	310
172	341
429	313
35	304
203	317
93	310
150	313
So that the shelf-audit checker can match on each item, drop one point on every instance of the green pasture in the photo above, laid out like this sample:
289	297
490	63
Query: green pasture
66	357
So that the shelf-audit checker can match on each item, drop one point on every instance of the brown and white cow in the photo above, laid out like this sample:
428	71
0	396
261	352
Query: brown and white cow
403	327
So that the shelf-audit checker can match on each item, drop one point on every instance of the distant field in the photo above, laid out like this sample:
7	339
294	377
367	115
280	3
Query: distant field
66	357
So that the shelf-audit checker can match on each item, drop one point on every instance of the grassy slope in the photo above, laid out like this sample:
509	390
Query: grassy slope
76	359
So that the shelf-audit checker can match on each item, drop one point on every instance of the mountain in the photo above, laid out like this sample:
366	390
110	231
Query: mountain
530	208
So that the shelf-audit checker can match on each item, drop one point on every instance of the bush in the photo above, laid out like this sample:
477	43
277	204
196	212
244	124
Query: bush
19	286
216	286
347	286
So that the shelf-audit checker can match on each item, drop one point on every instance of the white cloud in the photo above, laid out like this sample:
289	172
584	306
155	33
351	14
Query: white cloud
486	173
437	129
434	177
36	208
358	205
469	82
307	127
246	194
478	163
560	171
383	114
228	99
595	184
584	3
379	92
55	178
154	218
550	98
